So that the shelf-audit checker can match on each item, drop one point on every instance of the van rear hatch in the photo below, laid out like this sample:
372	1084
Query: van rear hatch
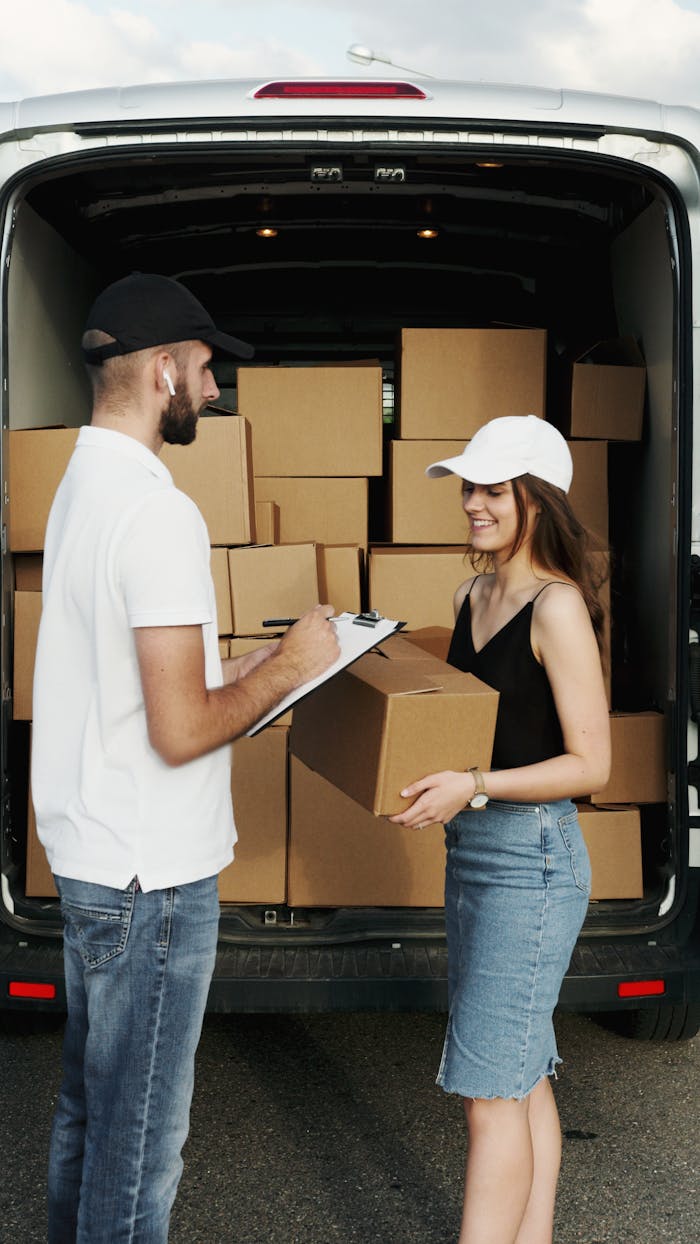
322	232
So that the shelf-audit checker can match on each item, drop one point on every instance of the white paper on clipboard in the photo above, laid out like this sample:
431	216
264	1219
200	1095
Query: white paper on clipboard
354	641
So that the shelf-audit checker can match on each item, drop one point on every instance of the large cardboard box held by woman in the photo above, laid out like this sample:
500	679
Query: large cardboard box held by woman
390	718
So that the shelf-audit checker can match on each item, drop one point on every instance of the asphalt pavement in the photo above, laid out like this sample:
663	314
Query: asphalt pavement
317	1129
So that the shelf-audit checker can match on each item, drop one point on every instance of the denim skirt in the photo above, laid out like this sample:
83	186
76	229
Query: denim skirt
517	886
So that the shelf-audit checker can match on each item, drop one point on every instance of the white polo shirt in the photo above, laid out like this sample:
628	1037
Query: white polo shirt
124	548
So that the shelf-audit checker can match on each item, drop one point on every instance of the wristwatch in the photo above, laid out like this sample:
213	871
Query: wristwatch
480	797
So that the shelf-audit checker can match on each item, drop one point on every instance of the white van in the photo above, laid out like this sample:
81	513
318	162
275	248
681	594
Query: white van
389	205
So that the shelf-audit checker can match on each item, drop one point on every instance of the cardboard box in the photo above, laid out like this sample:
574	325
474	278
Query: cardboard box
589	489
216	472
342	856
314	420
453	379
39	881
638	773
26	631
38	458
416	585
267	522
340	571
601	570
607	392
432	639
224	649
271	581
329	511
222	589
28	569
422	510
389	719
259	790
613	838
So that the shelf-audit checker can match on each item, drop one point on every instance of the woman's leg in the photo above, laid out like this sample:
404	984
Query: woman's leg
512	1169
538	1222
499	1170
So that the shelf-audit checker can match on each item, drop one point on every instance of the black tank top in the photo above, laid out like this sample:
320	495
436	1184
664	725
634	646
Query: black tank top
527	725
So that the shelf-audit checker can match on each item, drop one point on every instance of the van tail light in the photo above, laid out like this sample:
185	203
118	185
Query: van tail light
32	989
640	989
339	90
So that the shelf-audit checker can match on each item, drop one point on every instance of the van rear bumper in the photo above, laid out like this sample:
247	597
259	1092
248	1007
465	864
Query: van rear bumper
365	976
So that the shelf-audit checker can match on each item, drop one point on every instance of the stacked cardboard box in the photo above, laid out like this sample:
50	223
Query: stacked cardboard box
613	838
271	581
416	585
215	471
449	378
608	385
317	438
283	487
340	855
258	873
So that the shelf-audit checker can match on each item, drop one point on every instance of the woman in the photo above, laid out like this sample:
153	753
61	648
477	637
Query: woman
518	875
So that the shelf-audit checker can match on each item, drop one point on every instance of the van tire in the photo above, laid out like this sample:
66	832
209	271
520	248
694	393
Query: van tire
655	1023
30	1023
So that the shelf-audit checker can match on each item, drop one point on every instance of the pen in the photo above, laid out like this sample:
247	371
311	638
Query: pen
288	621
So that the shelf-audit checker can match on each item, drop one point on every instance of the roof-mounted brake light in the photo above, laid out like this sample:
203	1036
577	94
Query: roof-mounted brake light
339	90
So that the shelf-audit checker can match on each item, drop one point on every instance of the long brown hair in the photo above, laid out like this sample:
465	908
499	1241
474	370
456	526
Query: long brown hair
560	544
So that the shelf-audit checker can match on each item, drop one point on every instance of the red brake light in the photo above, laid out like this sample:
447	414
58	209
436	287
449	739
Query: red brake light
31	989
339	90
640	989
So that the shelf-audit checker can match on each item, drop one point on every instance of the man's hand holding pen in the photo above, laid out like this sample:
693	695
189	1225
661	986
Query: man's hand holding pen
311	643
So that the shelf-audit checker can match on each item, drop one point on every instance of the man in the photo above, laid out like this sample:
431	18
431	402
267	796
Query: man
133	712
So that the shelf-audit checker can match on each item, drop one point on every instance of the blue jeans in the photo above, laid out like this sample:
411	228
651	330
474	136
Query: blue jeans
138	968
516	893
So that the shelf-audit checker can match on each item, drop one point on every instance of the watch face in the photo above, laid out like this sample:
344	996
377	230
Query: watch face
479	801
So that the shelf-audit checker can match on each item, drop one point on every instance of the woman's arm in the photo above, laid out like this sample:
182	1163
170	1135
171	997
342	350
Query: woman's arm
563	639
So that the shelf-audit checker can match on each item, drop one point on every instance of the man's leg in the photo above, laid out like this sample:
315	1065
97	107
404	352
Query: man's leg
68	1129
148	961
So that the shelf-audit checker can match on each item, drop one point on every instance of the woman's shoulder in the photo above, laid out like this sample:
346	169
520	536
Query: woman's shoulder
559	601
465	590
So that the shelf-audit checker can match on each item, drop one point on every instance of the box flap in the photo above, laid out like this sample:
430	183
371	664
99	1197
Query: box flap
615	352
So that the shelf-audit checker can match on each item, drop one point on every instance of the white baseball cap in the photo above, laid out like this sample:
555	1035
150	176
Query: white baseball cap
511	446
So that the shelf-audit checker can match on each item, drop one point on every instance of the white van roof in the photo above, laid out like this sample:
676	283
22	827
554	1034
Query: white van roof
227	101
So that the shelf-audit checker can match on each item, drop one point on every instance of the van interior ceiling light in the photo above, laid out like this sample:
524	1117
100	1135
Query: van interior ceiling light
428	233
266	232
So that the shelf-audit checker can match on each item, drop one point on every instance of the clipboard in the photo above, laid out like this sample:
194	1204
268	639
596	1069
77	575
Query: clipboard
357	633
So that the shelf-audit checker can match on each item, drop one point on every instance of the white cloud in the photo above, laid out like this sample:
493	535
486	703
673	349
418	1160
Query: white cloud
649	48
261	59
60	45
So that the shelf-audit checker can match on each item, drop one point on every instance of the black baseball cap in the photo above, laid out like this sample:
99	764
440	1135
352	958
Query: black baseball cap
146	309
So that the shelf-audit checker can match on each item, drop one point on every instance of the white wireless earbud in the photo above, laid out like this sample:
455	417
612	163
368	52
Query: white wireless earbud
168	381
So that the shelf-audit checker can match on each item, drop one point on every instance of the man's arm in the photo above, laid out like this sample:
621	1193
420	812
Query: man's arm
186	720
235	668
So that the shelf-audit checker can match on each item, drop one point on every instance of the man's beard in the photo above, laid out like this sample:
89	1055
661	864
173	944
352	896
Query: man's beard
178	423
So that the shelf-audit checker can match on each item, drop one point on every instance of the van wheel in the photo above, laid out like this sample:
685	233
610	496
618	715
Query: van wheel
29	1024
654	1023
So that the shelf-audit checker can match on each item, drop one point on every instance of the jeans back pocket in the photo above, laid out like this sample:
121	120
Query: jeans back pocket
96	919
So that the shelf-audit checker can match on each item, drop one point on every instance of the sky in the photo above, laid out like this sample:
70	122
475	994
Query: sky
644	48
